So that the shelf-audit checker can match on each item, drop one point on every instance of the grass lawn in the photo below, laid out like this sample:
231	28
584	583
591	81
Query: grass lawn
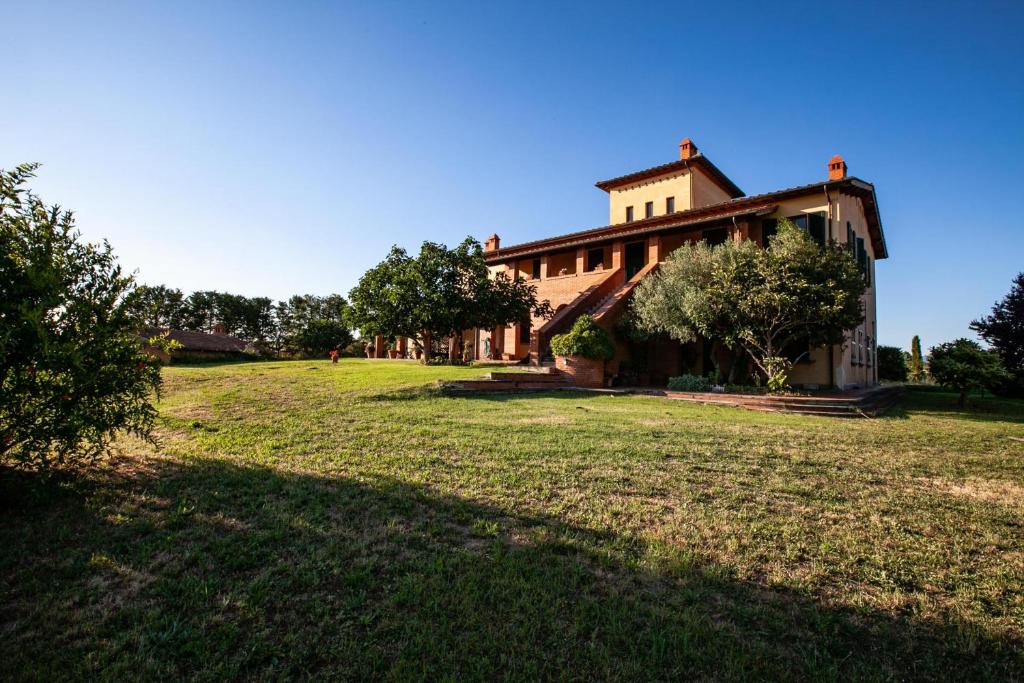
303	519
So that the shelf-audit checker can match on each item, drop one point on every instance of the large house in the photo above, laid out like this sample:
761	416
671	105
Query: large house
651	213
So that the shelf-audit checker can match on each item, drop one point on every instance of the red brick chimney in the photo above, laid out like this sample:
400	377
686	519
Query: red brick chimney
492	243
836	168
687	150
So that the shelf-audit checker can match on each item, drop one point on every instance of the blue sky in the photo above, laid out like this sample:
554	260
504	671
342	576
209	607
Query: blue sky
271	149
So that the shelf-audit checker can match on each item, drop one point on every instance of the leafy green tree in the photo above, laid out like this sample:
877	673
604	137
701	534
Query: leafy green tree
1003	330
321	336
157	306
72	371
586	339
762	301
916	372
892	364
437	293
962	365
200	311
305	317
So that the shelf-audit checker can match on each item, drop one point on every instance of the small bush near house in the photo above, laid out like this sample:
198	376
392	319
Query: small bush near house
586	339
689	383
892	364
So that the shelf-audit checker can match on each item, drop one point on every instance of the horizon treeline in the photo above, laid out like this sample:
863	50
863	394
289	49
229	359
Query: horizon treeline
304	324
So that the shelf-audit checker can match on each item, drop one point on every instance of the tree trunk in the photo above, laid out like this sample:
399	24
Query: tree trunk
428	344
962	401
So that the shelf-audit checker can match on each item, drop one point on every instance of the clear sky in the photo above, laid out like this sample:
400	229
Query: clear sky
270	149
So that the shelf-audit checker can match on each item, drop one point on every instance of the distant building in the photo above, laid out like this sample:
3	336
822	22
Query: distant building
194	346
656	210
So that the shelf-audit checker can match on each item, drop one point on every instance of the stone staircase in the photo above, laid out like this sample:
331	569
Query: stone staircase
608	310
566	316
864	403
520	380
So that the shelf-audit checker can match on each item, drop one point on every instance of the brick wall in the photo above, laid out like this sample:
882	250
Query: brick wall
581	372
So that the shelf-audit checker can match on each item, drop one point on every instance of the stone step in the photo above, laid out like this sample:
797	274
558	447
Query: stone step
498	385
540	375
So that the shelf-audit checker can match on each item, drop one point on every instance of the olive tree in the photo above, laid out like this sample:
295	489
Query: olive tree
758	300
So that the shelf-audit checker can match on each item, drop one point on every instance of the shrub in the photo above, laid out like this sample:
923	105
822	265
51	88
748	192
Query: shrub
356	349
586	339
962	365
689	383
892	364
72	371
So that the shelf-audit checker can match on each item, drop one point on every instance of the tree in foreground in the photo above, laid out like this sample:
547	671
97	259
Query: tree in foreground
1003	330
762	301
963	366
72	372
916	373
438	293
892	364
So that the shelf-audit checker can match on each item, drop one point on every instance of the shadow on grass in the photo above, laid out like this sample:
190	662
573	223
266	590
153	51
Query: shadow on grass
210	570
938	401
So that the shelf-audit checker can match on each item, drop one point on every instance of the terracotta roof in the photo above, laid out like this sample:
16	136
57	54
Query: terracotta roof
714	212
197	341
698	159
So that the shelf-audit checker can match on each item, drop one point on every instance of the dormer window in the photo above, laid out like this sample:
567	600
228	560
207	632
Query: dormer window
629	214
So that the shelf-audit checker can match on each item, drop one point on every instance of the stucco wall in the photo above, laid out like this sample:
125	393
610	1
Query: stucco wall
846	373
655	190
705	191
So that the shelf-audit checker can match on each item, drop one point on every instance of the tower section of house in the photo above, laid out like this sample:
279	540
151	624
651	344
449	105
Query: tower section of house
654	211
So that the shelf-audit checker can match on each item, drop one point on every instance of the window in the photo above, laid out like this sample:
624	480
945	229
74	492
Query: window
816	227
648	209
670	205
524	332
871	355
594	258
813	224
536	269
851	236
716	236
629	214
769	227
861	256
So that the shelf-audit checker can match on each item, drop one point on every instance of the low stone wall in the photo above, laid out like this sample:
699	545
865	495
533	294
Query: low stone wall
581	372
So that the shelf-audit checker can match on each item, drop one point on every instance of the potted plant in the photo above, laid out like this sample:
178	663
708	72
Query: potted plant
581	353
